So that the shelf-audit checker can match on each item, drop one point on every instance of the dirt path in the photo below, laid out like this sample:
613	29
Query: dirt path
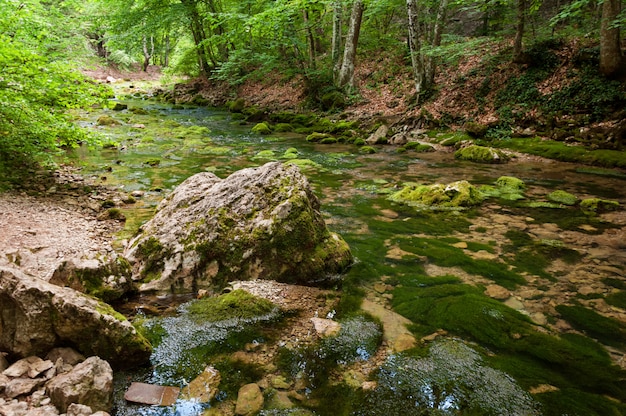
39	233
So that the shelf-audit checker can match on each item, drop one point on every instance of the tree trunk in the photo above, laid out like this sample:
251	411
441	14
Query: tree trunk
310	38
518	50
146	55
336	41
346	73
431	61
415	46
611	59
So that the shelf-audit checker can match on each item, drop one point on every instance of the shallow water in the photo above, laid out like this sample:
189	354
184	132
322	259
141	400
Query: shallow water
165	146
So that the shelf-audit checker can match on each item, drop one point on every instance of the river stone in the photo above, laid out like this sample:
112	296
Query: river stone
36	316
259	223
379	136
89	383
203	388
249	400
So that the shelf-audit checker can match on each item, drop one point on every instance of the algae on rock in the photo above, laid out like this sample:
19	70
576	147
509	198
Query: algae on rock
481	154
259	223
459	194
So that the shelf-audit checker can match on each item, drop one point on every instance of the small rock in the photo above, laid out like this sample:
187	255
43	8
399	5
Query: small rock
20	386
460	244
326	327
75	409
69	355
22	367
249	400
151	394
203	388
497	292
280	400
280	382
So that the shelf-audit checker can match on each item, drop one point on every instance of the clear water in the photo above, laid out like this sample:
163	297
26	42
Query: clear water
353	189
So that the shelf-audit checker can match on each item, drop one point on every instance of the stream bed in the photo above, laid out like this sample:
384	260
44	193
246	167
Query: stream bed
518	305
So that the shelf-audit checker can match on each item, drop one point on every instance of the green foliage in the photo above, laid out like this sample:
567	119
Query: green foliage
36	89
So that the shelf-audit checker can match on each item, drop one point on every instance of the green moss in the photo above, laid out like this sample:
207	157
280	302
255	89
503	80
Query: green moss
153	254
576	402
359	141
460	194
317	137
606	330
283	128
562	197
262	128
617	299
597	205
506	187
265	154
291	153
237	304
237	105
481	154
328	140
304	163
367	150
418	147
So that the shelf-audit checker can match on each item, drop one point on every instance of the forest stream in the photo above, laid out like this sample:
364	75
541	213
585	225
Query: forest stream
517	305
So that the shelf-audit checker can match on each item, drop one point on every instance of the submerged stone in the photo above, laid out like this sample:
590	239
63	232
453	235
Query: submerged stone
562	197
203	388
260	222
597	205
249	400
151	394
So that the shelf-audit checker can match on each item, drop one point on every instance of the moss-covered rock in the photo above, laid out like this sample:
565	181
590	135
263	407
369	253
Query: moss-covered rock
418	147
367	150
36	316
597	205
262	128
481	154
506	187
257	223
455	195
317	137
476	130
237	106
237	304
562	197
107	121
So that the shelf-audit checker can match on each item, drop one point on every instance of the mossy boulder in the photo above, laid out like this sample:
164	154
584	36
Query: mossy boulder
259	223
317	137
476	130
481	154
562	197
107	121
457	194
506	187
36	316
367	150
333	100
598	206
262	128
237	106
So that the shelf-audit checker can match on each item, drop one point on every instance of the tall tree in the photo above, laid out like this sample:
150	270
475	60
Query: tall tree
518	47
425	26
346	73
336	38
611	58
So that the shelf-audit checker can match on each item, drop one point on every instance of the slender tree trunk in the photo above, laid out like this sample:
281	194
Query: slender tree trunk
518	50
146	54
346	73
336	41
166	62
431	61
611	59
310	38
415	46
198	35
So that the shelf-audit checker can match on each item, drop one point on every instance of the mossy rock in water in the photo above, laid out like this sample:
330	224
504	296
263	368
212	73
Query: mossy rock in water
460	194
260	222
329	140
304	163
562	197
237	106
107	121
262	128
367	150
418	147
265	154
237	304
333	100
359	141
291	153
317	137
506	187
283	128
598	206
481	154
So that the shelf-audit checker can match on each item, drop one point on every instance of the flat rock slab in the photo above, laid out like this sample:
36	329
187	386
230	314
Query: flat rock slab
152	394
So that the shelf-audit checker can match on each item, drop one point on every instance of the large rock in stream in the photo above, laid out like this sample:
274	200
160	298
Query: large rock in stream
259	223
36	316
